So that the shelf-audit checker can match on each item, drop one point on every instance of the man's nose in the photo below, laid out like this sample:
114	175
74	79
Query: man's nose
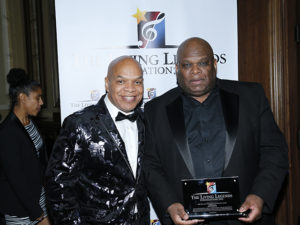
195	68
130	86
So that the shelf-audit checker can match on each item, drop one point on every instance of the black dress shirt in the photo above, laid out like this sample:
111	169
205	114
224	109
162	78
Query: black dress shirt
205	130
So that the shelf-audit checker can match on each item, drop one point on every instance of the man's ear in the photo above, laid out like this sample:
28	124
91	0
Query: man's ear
215	65
176	68
177	71
106	84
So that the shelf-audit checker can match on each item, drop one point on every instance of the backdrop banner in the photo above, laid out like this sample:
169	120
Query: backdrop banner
91	33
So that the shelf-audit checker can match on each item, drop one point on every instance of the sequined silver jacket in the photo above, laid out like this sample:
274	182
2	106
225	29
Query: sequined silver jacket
89	178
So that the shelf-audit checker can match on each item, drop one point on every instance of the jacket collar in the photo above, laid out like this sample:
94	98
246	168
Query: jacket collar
108	124
12	116
230	105
176	121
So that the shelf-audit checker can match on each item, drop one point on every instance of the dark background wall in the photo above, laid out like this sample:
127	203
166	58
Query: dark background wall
269	53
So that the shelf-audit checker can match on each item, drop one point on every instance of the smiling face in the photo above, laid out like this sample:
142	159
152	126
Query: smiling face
124	83
31	104
196	68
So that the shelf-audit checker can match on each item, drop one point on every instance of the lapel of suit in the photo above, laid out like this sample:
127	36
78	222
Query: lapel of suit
109	126
230	105
141	138
177	124
20	125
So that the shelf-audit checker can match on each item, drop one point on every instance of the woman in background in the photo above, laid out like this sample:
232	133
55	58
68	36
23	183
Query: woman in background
22	155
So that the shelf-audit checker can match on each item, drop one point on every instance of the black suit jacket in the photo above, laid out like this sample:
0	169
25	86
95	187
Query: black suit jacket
255	149
89	178
21	171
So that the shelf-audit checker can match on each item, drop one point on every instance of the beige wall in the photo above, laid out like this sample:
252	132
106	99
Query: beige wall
12	45
29	43
4	59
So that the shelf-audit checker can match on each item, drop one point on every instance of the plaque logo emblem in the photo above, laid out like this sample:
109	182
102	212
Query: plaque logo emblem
211	187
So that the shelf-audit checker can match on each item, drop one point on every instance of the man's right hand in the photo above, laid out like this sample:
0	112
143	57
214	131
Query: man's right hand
44	221
179	216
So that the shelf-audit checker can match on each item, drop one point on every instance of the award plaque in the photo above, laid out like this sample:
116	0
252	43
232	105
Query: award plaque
212	197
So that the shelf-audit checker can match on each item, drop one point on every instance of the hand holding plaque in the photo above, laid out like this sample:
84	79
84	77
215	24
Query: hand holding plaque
212	197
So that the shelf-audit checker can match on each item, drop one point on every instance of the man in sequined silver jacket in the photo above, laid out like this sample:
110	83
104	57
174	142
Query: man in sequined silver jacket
90	179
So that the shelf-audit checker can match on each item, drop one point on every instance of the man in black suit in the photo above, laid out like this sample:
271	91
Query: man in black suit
208	127
94	173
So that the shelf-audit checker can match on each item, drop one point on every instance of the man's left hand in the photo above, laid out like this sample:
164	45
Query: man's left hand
255	204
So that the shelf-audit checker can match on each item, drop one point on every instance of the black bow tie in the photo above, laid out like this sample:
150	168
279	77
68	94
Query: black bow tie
132	117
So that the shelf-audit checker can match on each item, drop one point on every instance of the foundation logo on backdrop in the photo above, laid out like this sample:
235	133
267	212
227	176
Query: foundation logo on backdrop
155	222
151	93
93	98
150	30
